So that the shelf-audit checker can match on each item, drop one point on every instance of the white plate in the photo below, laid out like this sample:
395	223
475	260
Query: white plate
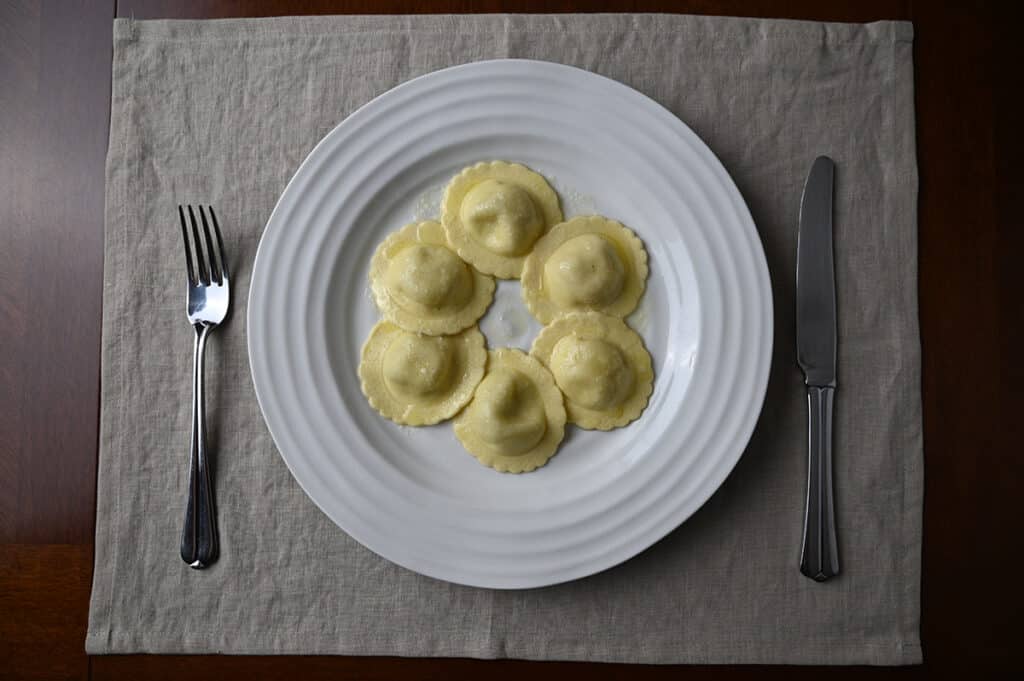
413	495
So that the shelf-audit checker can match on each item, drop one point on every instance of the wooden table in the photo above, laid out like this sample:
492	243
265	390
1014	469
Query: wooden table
55	60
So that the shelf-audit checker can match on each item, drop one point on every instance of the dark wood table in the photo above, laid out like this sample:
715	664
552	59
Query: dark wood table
55	60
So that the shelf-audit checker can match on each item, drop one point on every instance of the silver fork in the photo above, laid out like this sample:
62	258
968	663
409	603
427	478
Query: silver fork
208	302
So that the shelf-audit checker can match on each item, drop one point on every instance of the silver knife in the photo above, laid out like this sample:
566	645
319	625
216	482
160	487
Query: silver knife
816	355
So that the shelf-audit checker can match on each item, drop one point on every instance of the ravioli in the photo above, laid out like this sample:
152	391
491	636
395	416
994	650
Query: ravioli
418	380
587	263
422	286
517	418
494	212
600	365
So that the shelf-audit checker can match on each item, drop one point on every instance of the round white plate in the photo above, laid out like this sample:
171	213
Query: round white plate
413	495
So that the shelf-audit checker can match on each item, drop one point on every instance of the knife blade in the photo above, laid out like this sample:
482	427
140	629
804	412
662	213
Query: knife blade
816	355
815	278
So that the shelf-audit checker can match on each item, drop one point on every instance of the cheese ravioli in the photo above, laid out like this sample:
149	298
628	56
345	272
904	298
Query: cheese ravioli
422	286
494	212
517	418
417	380
587	263
600	365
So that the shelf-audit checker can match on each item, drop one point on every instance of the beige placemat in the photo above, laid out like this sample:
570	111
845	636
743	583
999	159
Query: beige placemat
222	112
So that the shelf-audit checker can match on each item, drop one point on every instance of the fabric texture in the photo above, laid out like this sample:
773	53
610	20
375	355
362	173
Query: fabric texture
223	112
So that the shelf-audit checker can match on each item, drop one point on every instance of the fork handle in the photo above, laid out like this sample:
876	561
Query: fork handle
819	557
199	536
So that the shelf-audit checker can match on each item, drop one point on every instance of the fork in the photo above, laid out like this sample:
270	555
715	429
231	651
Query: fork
208	302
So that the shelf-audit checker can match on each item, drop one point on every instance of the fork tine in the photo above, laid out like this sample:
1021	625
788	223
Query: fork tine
204	276
188	250
211	254
220	244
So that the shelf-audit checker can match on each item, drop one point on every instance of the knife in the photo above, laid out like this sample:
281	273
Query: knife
816	355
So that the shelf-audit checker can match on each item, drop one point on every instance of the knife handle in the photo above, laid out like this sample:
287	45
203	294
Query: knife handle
819	556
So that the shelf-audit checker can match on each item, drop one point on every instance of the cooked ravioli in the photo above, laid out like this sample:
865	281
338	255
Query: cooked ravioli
421	285
586	263
494	212
517	418
418	380
600	365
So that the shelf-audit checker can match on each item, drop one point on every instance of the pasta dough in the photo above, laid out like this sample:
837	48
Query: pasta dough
494	212
586	263
516	419
420	285
418	380
600	364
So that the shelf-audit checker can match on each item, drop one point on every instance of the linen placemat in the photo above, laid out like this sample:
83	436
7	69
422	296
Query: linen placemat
223	112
